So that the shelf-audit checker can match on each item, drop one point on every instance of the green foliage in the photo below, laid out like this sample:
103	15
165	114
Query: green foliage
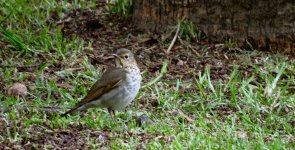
230	43
254	111
121	7
13	39
189	32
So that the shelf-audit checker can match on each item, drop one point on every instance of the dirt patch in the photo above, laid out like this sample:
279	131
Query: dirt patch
110	32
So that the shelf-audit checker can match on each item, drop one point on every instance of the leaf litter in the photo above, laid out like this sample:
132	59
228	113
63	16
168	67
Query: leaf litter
108	33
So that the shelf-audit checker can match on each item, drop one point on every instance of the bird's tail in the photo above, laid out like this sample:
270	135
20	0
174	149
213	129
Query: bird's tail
78	107
71	111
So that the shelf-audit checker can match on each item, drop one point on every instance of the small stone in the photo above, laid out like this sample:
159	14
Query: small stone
143	120
180	63
17	89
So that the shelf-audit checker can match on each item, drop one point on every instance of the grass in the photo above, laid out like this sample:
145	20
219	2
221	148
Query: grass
243	111
190	32
120	7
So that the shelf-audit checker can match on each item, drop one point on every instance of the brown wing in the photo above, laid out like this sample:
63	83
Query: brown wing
109	80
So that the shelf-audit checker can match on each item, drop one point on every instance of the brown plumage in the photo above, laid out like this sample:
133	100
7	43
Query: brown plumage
116	88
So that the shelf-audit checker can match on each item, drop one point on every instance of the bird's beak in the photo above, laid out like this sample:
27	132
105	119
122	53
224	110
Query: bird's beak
115	55
117	61
111	56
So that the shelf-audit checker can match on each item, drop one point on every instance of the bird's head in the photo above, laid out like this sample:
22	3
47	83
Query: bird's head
124	58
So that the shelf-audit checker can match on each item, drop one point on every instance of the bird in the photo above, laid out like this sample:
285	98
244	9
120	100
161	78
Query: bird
117	87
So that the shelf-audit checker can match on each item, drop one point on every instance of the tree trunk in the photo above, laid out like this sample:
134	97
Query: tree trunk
266	25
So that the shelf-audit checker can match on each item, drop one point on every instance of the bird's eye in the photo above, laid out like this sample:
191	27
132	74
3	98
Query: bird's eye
126	56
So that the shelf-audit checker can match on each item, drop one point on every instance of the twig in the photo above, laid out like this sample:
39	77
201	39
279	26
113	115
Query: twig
46	110
190	120
189	45
30	66
166	62
162	72
174	39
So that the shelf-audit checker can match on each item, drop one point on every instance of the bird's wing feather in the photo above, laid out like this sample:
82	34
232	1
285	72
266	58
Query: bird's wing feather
109	80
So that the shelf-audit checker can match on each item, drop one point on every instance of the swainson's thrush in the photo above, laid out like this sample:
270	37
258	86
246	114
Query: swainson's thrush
116	88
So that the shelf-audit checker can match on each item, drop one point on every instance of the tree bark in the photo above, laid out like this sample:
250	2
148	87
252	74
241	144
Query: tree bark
266	25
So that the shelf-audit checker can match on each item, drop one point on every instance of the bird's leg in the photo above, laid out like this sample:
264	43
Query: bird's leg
112	114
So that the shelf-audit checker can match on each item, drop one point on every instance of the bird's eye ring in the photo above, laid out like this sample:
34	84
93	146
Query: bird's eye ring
126	56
